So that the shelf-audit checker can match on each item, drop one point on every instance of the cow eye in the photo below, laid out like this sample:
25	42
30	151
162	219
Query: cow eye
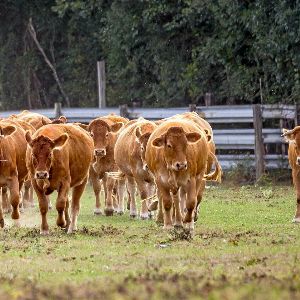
91	134
106	135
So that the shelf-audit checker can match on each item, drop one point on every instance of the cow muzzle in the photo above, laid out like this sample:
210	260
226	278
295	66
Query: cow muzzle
100	152
298	160
42	175
180	166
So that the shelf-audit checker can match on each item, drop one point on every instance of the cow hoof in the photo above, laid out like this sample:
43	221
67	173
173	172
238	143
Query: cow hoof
144	216
98	211
133	216
178	226
120	213
168	227
2	223
16	223
109	212
296	220
22	210
190	226
44	232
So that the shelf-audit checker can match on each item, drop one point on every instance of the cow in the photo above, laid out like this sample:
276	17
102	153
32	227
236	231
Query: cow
293	138
129	156
58	158
12	165
104	131
177	154
35	119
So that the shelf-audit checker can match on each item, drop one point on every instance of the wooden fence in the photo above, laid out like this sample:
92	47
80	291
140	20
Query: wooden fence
242	133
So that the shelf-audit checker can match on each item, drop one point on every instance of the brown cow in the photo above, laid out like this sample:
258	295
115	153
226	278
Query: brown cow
129	154
12	165
177	154
35	119
293	138
104	131
58	158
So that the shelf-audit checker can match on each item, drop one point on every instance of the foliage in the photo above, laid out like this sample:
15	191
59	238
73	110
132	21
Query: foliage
161	52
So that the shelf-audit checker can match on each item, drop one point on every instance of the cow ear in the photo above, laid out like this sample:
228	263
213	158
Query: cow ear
83	126
138	132
116	127
193	137
8	130
159	142
63	119
44	121
28	138
288	137
60	141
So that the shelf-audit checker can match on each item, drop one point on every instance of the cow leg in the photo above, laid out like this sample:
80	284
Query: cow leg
1	215
75	206
67	214
109	183
13	186
120	194
97	189
49	202
144	192
26	195
201	185
296	180
61	205
43	205
5	201
115	197
191	201
177	210
131	191
167	204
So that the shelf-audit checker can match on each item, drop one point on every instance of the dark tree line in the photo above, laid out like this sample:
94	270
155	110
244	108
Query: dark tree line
163	53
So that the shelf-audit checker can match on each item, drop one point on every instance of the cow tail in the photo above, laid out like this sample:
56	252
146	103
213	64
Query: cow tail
216	175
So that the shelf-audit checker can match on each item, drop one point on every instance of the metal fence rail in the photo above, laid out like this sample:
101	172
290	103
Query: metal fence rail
230	117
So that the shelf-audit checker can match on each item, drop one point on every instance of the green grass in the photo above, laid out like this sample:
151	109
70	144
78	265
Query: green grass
244	247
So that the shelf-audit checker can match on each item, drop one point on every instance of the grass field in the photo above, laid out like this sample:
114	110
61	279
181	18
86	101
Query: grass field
245	247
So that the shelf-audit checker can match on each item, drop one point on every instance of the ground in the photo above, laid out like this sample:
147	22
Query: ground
244	247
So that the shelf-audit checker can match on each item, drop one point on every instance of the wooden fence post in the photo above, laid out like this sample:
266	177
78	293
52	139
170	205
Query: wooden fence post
124	111
101	83
259	142
57	109
208	99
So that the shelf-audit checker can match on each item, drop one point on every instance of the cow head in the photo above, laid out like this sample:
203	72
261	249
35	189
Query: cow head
142	140
42	153
175	142
293	137
102	133
60	120
6	131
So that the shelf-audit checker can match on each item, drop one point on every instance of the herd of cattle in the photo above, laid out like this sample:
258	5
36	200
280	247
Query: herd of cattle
168	161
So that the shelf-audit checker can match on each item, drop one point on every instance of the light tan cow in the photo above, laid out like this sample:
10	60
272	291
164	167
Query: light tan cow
58	158
293	138
129	155
177	154
104	131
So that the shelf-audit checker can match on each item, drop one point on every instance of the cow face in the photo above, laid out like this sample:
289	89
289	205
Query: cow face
175	142
101	133
142	140
42	153
293	137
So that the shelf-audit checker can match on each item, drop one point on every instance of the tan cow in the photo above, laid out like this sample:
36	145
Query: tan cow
12	165
104	131
293	138
35	119
58	158
177	154
129	155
